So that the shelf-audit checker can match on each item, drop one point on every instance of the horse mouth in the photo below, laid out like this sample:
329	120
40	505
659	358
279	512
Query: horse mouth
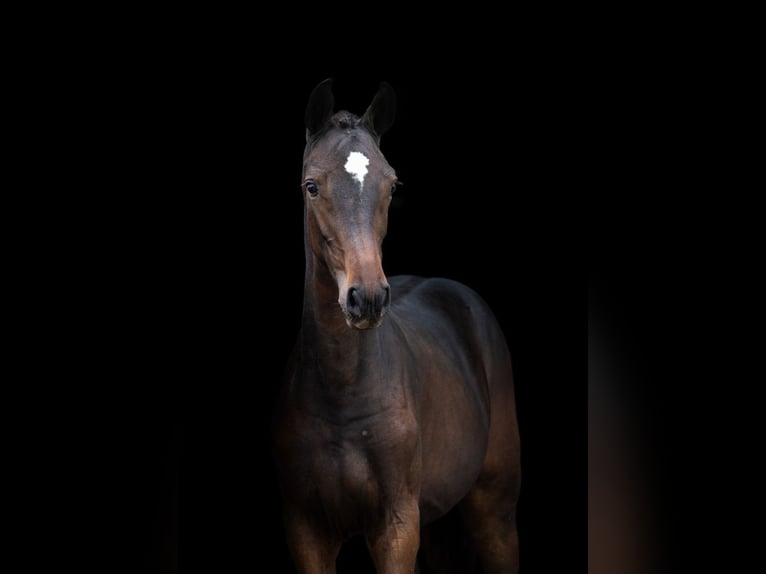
363	323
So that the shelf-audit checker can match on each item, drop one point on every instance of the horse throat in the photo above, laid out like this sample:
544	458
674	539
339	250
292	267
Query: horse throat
337	351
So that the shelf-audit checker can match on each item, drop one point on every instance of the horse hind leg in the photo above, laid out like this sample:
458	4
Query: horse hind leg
490	518
489	509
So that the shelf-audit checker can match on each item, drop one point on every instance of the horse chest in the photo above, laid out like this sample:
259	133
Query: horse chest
355	466
344	470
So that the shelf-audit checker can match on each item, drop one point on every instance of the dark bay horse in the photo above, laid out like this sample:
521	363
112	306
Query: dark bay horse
398	404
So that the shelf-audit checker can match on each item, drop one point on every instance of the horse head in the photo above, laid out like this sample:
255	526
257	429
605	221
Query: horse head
347	189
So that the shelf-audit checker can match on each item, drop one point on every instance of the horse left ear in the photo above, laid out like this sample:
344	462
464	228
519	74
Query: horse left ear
380	115
319	109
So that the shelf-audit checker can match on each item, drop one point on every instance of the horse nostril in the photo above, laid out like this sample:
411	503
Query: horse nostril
367	304
353	304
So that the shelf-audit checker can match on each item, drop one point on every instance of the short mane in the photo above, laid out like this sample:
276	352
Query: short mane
341	120
344	120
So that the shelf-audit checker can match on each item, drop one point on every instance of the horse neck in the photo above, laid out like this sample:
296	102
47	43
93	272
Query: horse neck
327	342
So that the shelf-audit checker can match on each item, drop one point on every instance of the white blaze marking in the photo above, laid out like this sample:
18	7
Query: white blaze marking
356	165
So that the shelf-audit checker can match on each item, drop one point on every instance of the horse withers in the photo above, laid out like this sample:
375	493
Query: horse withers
398	404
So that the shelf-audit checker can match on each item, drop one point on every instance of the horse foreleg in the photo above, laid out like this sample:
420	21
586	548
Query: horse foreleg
394	544
312	550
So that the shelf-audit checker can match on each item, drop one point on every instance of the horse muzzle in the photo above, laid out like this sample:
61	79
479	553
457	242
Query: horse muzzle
365	306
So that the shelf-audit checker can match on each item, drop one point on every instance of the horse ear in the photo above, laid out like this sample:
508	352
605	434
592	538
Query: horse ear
320	108
380	115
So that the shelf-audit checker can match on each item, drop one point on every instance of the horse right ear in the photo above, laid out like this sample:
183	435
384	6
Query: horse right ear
319	109
380	115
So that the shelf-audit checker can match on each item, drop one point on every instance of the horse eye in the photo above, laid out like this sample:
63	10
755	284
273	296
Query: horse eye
312	188
394	186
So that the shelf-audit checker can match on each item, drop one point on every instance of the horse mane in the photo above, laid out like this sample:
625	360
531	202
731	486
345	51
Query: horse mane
342	120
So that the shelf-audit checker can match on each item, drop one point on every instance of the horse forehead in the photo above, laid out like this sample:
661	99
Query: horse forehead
355	154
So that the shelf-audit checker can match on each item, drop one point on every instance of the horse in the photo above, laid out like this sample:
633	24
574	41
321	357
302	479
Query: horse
398	402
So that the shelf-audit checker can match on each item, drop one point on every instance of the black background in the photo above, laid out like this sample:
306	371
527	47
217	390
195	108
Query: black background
188	271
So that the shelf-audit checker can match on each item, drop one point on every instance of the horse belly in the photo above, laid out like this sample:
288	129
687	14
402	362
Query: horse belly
455	431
